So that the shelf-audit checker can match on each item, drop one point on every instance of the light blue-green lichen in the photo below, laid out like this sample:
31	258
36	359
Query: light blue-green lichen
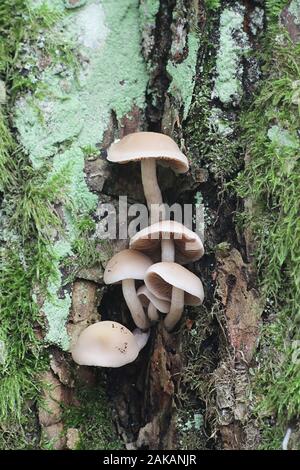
183	74
74	108
294	10
57	309
282	138
232	47
148	10
219	123
256	20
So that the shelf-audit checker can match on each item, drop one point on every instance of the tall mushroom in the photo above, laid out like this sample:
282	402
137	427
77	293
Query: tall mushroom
126	267
148	147
152	303
171	281
108	344
175	241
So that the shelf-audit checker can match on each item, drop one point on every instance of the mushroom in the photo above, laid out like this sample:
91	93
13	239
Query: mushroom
174	239
126	267
148	147
108	344
152	303
171	281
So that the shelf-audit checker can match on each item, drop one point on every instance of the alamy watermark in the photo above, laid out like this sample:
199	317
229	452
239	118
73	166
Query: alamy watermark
123	220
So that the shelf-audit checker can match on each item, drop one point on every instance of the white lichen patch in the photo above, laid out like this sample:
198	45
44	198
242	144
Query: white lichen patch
56	308
282	137
232	46
92	29
256	20
2	352
294	10
219	123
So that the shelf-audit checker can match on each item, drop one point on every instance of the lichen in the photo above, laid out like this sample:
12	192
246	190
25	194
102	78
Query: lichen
282	138
148	10
56	308
294	10
233	45
73	111
256	20
219	123
183	74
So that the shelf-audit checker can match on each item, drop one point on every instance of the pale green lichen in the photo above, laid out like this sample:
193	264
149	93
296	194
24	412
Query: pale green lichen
148	10
282	138
294	10
56	308
74	109
183	74
256	20
233	45
219	123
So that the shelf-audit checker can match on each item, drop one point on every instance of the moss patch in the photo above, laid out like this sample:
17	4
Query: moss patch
271	180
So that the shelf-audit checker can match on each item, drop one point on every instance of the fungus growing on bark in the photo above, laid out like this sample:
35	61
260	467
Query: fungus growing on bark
148	147
172	282
127	267
152	303
176	242
108	344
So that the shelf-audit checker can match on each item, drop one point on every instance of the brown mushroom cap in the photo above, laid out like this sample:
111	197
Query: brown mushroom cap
161	277
127	264
146	297
188	246
106	344
141	145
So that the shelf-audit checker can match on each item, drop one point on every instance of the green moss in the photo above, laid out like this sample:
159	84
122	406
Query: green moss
183	74
212	4
271	181
232	47
93	420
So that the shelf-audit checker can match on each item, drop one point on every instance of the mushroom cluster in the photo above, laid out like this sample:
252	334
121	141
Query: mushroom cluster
156	256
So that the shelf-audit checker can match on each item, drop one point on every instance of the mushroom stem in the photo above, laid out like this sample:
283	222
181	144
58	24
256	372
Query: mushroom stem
175	313
167	250
152	313
134	304
141	337
151	189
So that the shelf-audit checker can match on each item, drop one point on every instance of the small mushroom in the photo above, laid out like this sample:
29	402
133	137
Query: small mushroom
152	303
148	147
175	240
171	281
108	344
126	267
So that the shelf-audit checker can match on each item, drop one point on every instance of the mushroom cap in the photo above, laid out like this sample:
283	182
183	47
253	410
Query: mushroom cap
127	264
141	145
188	246
146	297
106	344
161	277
